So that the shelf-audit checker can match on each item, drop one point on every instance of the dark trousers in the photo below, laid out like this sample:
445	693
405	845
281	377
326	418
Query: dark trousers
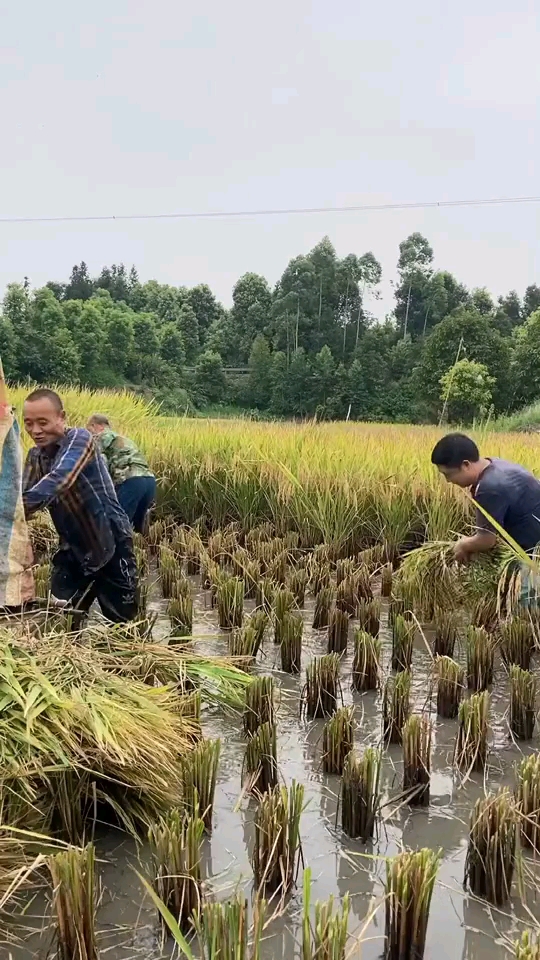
114	586
136	496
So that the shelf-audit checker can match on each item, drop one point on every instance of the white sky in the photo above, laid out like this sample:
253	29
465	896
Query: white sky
136	107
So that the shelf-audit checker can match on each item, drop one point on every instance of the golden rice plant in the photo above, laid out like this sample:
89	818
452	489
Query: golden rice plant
396	705
368	614
230	603
527	947
360	793
517	642
291	630
278	569
416	739
485	614
157	533
523	686
260	761
366	662
199	778
338	631
259	621
322	687
480	658
181	588
259	706
396	608
450	678
402	643
74	901
141	559
491	852
472	739
446	627
410	879
323	606
277	847
528	798
338	739
175	841
250	574
326	937
345	568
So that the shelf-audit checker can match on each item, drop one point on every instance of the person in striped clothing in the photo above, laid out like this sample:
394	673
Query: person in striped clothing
66	474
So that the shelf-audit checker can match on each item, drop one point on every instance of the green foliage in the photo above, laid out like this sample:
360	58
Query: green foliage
307	348
466	391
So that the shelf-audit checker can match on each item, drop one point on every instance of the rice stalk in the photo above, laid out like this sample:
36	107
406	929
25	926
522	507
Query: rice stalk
264	594
42	580
259	706
528	799
368	614
244	645
291	630
284	602
396	705
319	577
199	778
338	631
297	584
450	684
527	947
175	841
445	623
277	848
366	662
480	658
517	642
260	762
402	643
491	852
323	605
360	793
523	686
326	938
180	612
74	901
338	739
472	739
362	579
416	739
410	879
346	596
230	603
387	575
223	929
320	694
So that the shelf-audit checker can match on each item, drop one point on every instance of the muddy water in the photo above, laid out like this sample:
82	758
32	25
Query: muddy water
459	926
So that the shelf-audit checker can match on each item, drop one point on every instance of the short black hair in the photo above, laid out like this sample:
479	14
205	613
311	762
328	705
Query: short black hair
43	393
453	449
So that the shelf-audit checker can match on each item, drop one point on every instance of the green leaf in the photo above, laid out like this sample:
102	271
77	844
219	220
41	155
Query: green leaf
169	919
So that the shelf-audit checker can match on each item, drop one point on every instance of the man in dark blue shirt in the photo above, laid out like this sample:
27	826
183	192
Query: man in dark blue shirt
508	492
65	473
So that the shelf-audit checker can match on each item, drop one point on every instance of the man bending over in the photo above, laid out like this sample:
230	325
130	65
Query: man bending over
135	483
508	492
66	474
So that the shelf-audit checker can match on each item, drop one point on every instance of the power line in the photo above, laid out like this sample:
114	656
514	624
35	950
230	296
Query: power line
290	211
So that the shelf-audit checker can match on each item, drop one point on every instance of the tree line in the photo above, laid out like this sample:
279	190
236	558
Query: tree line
310	345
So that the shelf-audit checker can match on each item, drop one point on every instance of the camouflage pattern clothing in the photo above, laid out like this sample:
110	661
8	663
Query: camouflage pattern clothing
123	457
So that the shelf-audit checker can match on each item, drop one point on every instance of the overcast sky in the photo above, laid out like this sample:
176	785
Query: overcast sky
131	106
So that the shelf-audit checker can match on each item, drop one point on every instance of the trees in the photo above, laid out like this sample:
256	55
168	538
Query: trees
189	329
210	379
526	360
412	292
466	391
80	285
250	314
260	366
531	300
474	336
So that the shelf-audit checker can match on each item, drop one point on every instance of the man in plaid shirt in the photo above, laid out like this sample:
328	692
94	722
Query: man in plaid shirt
65	473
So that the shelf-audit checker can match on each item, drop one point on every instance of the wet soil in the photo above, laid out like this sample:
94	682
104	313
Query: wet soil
459	927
